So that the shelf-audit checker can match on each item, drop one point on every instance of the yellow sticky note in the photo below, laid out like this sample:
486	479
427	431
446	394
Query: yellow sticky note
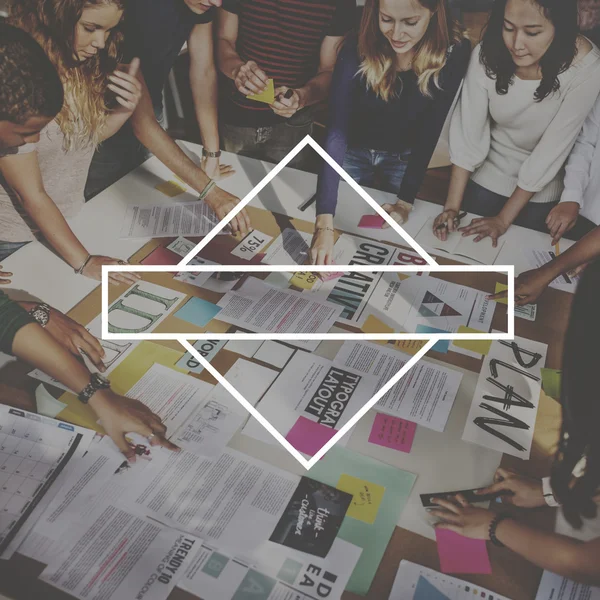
500	287
170	188
410	346
478	346
304	280
374	325
367	497
267	95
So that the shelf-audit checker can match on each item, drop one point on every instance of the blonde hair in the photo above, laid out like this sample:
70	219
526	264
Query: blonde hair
53	23
378	66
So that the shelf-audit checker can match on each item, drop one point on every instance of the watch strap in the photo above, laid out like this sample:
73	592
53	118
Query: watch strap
494	526
549	496
208	154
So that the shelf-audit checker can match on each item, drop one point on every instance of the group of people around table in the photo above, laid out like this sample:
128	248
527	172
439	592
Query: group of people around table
81	104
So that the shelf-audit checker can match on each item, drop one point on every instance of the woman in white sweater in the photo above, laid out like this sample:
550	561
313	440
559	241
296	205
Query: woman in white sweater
530	85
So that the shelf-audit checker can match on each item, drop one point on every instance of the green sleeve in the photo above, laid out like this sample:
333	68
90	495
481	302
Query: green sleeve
12	318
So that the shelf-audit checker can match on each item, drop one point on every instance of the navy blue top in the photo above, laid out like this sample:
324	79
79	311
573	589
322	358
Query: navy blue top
408	121
155	31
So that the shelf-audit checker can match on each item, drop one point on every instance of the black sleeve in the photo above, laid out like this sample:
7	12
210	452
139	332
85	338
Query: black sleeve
12	318
433	121
232	6
206	17
344	18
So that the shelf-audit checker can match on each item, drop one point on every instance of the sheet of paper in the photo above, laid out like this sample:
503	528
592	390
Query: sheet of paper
259	307
393	433
459	554
198	278
366	497
309	437
248	378
289	248
482	252
505	404
247	348
425	395
556	587
216	576
447	306
33	453
409	574
170	188
208	349
233	501
198	312
274	353
181	246
251	245
171	395
131	556
314	388
174	219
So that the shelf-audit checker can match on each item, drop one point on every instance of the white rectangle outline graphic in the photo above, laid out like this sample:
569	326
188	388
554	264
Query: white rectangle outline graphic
107	269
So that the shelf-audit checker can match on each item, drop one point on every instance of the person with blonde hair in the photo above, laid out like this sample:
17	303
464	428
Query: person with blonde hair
392	89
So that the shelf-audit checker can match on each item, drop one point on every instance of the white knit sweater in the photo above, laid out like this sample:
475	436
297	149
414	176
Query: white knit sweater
512	140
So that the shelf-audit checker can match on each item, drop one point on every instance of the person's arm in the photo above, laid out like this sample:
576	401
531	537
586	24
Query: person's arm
22	173
530	284
148	131
549	155
564	215
248	77
433	123
557	553
340	105
203	81
469	140
316	89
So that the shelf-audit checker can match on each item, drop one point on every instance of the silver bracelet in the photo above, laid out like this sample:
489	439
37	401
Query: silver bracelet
83	266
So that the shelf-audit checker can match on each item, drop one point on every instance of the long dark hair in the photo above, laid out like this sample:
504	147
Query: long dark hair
498	62
580	404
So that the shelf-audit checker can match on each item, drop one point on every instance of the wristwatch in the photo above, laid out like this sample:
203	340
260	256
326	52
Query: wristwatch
548	494
41	313
97	382
208	154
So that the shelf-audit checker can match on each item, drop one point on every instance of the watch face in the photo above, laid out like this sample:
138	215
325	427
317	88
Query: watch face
41	316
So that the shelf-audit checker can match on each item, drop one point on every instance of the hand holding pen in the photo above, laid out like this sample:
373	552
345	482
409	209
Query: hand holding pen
446	222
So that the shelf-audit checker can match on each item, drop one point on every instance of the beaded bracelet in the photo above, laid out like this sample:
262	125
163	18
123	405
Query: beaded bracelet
324	229
494	525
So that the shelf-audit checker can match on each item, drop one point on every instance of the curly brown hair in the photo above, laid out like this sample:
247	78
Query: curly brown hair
53	23
30	84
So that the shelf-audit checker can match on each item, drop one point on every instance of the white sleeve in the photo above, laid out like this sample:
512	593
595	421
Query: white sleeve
579	165
551	152
470	124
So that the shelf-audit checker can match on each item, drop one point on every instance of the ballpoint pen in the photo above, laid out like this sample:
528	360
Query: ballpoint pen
456	221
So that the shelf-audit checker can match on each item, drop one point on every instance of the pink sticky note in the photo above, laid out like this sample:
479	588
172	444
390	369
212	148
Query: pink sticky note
161	256
459	554
393	432
371	222
328	276
309	437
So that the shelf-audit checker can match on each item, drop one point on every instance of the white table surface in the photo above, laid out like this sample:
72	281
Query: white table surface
441	460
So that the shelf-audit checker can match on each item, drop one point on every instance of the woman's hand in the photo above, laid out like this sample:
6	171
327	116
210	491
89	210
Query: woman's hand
399	212
462	518
321	247
249	78
520	490
286	106
562	218
445	222
93	270
528	287
213	169
127	87
223	203
4	277
483	227
120	415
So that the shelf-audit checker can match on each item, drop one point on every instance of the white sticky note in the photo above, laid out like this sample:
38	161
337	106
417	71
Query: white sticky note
251	245
246	348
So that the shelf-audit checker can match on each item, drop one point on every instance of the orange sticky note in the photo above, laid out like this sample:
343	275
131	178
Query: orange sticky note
267	95
374	325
